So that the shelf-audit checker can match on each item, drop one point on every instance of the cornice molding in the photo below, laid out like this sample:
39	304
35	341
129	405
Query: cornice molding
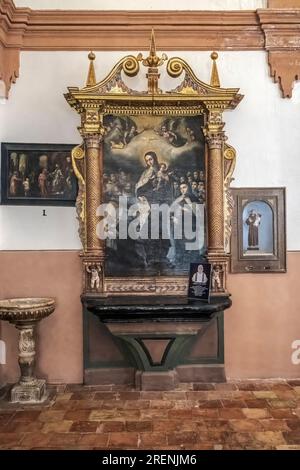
274	30
128	30
284	4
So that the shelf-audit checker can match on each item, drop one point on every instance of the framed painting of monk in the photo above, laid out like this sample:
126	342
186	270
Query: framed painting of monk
258	231
37	174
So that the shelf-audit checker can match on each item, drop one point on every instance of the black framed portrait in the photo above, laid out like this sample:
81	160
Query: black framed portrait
199	281
37	174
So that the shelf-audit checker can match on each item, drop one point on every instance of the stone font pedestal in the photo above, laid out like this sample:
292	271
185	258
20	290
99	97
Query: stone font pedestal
25	314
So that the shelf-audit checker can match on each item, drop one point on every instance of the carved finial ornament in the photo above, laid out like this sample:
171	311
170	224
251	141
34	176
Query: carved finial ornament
214	79
152	62
91	78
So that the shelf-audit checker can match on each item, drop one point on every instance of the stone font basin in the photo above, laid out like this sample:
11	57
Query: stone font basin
26	309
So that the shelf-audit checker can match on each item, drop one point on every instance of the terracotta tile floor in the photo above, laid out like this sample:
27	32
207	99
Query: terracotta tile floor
234	415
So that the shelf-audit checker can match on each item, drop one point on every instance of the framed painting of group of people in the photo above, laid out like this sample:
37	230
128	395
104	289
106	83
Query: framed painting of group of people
258	231
37	174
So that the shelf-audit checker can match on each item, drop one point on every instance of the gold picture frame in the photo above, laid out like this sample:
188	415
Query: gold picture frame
112	96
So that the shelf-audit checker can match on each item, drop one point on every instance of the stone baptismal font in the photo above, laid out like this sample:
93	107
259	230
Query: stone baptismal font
25	314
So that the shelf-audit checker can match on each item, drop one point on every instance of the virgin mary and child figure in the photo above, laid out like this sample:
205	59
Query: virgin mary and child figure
153	189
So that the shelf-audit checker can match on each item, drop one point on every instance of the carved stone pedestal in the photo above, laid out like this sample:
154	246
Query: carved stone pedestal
24	314
33	392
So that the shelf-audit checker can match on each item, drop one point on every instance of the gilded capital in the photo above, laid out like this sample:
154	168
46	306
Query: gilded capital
91	122
215	119
91	139
215	140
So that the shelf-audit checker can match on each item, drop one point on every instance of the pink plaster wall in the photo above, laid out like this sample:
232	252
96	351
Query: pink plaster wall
259	328
263	322
50	274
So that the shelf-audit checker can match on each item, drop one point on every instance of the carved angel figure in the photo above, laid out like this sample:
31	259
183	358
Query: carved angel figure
94	271
215	278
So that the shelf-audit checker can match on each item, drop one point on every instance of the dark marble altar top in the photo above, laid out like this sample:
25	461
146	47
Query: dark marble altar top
153	309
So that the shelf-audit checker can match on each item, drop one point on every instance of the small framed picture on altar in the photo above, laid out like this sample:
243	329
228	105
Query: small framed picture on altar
258	242
199	281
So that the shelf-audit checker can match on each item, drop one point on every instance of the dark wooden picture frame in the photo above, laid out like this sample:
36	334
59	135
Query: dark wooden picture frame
258	242
37	174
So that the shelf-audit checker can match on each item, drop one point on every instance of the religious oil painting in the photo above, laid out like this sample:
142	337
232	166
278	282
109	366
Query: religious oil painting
258	235
37	174
154	193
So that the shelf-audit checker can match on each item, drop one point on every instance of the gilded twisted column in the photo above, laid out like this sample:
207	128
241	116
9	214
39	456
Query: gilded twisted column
215	192
93	178
215	138
94	252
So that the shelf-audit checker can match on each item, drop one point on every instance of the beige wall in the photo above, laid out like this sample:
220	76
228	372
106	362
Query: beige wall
259	328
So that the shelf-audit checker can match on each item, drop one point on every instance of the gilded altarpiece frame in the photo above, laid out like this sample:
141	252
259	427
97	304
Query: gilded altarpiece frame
112	97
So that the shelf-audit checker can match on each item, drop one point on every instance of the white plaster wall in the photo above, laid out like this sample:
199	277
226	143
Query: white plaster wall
31	115
26	228
264	129
143	4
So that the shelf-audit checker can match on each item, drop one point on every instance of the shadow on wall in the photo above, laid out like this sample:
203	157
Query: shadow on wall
2	352
2	360
2	91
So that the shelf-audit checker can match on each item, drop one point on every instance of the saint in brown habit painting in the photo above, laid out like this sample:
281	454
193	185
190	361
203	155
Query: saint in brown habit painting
153	163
